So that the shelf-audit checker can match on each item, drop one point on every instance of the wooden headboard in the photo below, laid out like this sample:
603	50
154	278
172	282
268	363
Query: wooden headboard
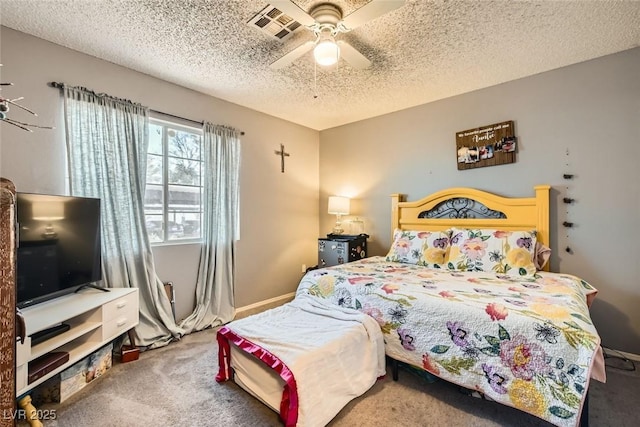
454	207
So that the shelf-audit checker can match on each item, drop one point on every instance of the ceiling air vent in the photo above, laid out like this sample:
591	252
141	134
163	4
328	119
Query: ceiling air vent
274	23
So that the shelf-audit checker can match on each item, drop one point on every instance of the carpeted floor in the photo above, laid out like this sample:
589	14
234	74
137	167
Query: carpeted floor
175	386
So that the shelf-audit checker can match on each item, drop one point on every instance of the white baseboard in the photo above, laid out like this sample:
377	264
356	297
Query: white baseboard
260	306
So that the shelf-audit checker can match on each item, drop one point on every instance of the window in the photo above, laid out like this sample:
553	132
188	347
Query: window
173	193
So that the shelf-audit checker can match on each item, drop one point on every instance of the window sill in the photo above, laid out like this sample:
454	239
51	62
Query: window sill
176	243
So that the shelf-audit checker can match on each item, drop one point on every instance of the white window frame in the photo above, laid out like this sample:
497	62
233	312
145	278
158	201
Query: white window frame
168	124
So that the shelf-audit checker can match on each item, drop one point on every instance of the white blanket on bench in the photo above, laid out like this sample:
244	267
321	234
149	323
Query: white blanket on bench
334	353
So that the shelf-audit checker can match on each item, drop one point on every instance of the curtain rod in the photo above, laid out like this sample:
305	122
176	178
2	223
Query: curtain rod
61	86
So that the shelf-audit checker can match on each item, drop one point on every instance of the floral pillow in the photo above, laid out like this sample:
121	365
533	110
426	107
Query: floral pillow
428	248
503	252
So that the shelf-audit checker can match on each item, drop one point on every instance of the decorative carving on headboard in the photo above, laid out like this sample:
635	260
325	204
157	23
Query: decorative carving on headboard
463	208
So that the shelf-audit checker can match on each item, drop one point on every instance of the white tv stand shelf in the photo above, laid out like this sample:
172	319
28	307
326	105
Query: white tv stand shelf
95	318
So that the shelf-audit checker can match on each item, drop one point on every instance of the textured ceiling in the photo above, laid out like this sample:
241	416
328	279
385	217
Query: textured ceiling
421	52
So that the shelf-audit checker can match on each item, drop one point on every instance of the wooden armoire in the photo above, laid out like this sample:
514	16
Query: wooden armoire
7	303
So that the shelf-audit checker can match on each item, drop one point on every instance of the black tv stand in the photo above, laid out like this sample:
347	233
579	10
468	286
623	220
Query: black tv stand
92	285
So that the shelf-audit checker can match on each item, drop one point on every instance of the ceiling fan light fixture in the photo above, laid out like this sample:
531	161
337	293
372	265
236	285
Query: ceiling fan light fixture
326	21
326	52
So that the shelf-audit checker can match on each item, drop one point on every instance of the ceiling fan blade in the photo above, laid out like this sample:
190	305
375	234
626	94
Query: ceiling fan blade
352	56
370	11
293	11
292	56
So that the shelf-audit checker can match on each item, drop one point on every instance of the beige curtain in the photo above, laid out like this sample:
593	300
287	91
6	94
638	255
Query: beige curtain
214	288
107	142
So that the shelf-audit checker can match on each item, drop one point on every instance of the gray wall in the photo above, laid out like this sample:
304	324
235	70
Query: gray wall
583	119
279	212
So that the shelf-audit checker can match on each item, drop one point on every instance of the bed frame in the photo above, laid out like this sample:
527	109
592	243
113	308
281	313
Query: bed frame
471	208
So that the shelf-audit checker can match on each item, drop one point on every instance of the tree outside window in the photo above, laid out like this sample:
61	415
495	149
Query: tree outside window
173	209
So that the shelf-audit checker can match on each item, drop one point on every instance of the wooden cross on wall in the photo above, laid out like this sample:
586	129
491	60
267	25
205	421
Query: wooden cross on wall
282	155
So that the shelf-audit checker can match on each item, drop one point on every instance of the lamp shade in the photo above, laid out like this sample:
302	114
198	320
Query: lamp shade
338	205
326	52
48	210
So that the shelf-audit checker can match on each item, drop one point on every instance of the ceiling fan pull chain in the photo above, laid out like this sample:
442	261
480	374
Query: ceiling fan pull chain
315	80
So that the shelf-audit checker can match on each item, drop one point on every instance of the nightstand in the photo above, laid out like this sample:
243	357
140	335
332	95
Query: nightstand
340	248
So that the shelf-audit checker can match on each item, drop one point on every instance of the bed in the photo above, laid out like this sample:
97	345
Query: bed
457	295
461	295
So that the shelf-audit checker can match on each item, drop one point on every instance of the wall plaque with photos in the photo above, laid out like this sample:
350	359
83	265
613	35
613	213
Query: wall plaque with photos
489	145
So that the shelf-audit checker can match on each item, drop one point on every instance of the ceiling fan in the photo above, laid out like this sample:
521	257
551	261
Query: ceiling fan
326	22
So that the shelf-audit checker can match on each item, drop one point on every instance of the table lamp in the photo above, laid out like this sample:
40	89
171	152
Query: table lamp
338	206
48	211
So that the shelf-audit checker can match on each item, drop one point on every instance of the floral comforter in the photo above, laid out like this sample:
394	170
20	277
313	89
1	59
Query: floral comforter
529	344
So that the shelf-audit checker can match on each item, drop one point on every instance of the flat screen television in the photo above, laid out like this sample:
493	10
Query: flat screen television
58	246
